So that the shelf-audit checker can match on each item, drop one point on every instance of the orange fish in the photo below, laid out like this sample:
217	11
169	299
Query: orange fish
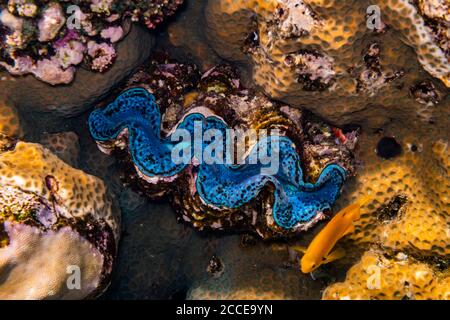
319	251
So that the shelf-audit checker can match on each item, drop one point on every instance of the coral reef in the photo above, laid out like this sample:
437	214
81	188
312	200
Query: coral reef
424	25
323	55
188	265
50	39
219	193
32	95
10	127
380	277
408	218
419	222
59	227
353	90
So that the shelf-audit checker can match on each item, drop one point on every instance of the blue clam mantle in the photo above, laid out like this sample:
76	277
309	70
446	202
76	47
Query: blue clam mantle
219	185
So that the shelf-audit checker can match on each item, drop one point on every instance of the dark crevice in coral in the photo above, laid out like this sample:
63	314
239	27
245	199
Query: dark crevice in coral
388	148
424	92
393	209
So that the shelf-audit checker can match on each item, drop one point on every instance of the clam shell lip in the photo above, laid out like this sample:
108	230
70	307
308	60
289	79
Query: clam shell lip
134	118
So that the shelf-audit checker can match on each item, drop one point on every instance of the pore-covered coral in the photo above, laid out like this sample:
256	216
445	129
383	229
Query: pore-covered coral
50	39
407	223
418	224
335	58
135	117
224	188
59	227
376	276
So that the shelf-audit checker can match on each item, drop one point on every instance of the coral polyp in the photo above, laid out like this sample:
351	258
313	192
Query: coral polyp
135	117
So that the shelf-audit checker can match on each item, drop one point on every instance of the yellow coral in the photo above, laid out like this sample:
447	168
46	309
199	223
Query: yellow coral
423	177
379	277
29	164
406	18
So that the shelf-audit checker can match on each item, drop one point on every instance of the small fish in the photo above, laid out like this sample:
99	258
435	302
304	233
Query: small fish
320	249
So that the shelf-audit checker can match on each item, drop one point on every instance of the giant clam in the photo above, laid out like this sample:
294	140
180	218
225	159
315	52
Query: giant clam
240	194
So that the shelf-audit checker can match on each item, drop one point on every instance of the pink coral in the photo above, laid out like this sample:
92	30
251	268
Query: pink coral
51	22
50	71
114	34
70	54
102	55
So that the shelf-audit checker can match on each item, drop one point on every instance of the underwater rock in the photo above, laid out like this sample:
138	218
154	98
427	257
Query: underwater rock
59	228
50	40
32	95
214	195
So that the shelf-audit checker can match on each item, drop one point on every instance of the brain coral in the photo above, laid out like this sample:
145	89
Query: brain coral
54	220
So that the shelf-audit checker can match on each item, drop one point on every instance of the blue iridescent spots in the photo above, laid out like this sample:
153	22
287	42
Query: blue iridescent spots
219	185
